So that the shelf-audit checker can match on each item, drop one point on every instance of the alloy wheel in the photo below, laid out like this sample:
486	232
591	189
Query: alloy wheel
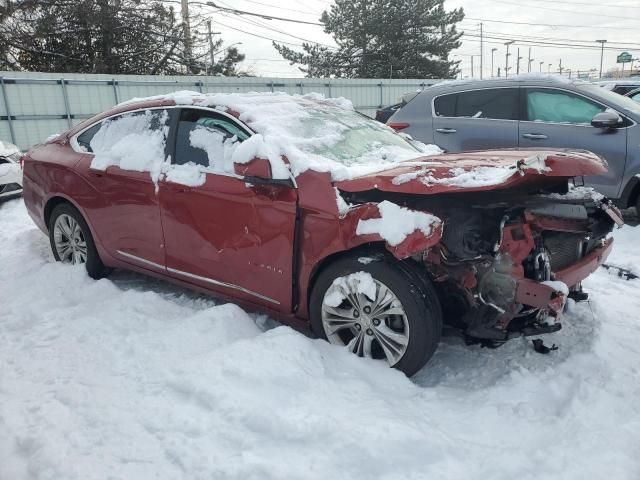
69	240
369	327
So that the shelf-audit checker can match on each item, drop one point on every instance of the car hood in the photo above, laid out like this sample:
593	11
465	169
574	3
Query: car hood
478	171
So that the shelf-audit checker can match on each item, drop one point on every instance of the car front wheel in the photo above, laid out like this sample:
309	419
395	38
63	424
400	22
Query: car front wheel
71	240
378	308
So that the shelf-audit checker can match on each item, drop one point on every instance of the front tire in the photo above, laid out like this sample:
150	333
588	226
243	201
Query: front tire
71	240
379	309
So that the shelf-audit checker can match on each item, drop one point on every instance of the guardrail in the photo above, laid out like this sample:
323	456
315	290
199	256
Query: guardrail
36	105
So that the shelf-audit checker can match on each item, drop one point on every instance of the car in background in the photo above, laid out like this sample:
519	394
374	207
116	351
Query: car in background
175	187
634	95
621	87
533	112
10	171
383	114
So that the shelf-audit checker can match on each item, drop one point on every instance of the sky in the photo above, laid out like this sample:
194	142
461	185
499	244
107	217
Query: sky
578	22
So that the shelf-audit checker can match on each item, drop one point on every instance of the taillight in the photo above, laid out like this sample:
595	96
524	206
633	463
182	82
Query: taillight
21	161
397	126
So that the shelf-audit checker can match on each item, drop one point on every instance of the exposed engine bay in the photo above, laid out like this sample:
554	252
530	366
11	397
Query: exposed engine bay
508	260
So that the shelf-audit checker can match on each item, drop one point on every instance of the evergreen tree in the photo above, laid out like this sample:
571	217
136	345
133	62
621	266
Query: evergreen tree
383	39
102	36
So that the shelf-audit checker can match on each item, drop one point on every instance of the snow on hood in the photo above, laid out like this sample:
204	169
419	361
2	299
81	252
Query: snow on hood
310	131
479	170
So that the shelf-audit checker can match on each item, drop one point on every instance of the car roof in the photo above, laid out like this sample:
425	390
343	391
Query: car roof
515	81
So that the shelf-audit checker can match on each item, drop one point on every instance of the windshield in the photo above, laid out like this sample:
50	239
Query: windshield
348	137
614	99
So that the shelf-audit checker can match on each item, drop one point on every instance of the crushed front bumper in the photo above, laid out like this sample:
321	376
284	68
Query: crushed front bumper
549	295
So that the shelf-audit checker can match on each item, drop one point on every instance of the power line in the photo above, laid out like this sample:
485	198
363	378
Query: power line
267	27
266	17
587	4
512	36
567	11
281	8
543	43
550	24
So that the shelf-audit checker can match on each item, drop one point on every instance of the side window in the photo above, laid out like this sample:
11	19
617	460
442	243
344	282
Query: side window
496	103
445	106
206	138
84	139
546	105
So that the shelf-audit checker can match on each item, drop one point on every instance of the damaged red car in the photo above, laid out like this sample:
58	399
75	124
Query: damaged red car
302	208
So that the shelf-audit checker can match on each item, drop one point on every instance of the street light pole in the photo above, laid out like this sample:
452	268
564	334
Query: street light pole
530	60
601	42
549	68
518	62
493	50
481	49
541	63
506	63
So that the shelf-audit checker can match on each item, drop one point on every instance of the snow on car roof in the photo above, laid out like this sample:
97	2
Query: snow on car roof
311	131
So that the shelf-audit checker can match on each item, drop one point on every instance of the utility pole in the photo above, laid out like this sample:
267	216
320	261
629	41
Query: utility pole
472	65
506	62
549	68
493	50
530	60
481	50
518	62
601	42
186	30
560	66
210	45
541	63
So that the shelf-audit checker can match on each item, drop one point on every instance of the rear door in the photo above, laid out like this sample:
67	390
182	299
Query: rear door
126	213
558	118
226	234
476	119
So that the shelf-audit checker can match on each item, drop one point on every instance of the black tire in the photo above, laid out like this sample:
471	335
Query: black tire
95	268
414	291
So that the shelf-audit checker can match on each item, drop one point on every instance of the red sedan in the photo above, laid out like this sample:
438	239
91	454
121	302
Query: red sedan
302	208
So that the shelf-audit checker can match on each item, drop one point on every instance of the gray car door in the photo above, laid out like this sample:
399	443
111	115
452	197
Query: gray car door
476	119
557	118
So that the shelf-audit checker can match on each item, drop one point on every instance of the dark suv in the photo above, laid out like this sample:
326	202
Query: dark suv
540	112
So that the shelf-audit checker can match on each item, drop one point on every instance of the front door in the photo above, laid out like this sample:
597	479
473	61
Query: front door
556	118
225	234
476	120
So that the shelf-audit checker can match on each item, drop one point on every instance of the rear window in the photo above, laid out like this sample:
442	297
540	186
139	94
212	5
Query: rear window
494	103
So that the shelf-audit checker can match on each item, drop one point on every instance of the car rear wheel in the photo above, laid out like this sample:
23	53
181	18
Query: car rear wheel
71	240
380	309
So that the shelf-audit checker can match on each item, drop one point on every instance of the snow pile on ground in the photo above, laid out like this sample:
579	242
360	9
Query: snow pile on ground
311	131
132	378
396	223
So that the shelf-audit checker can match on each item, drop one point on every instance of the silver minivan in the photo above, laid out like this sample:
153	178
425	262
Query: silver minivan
536	112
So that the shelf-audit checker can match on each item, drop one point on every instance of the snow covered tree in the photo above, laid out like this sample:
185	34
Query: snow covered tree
383	39
103	36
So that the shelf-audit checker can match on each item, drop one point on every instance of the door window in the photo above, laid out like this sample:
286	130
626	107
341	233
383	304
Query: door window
207	139
84	139
132	141
494	103
557	106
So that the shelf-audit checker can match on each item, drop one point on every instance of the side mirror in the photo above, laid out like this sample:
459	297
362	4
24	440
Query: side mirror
258	168
606	120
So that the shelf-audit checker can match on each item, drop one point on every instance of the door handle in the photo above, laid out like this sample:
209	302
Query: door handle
181	189
535	136
446	130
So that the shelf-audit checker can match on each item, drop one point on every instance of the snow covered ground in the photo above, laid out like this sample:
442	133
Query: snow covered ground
132	378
